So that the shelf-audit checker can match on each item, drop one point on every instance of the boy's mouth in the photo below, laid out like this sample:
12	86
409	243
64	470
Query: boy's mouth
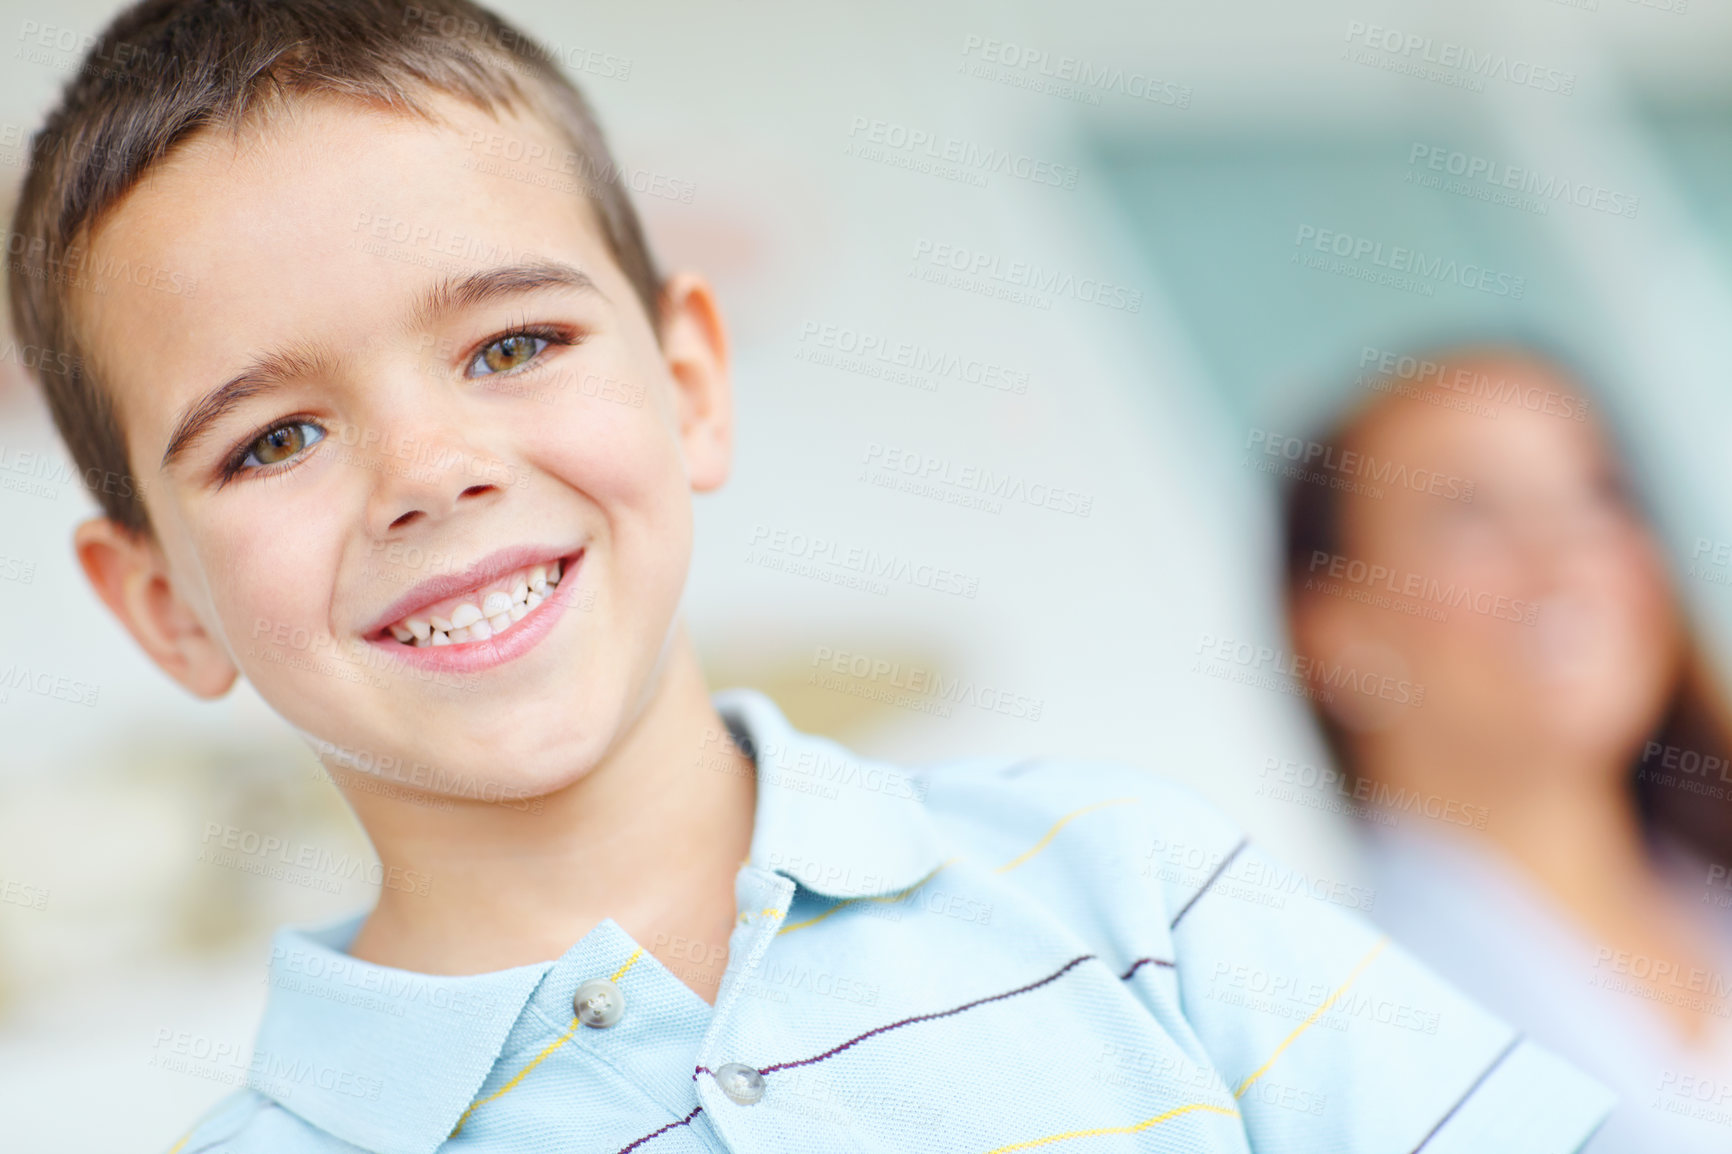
482	612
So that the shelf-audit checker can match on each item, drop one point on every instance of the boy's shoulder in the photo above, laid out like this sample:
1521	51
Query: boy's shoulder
1084	815
1067	783
1246	955
248	1122
1050	825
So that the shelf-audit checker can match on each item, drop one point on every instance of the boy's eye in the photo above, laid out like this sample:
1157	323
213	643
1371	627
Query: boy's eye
507	353
282	442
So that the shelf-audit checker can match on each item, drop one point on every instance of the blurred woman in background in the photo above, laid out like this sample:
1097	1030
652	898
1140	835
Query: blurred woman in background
1471	531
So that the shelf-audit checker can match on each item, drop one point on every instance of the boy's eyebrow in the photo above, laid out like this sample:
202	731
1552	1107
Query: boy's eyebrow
452	293
448	294
264	374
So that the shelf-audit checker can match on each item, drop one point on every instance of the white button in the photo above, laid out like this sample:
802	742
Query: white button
599	1003
740	1083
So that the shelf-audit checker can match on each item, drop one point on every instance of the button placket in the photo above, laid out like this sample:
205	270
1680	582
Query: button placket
763	899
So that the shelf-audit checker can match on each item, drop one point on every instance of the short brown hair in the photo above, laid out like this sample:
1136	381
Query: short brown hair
165	70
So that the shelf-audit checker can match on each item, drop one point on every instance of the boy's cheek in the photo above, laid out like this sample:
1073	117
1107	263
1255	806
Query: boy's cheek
274	616
606	437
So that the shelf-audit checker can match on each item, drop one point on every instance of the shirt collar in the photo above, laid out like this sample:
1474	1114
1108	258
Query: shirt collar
389	1059
840	825
384	1059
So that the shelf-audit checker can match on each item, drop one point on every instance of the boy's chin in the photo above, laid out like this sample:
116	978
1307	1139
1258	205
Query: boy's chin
490	745
505	765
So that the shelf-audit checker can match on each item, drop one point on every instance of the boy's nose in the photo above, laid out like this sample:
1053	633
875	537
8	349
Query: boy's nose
430	481
409	516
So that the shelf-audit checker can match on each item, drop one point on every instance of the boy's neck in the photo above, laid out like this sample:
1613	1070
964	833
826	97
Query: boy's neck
652	837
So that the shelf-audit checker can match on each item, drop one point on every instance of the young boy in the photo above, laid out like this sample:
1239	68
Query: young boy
353	292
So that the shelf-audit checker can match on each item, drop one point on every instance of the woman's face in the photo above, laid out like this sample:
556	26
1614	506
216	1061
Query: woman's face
1506	571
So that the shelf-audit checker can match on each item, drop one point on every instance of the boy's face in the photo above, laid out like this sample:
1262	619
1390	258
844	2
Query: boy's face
451	385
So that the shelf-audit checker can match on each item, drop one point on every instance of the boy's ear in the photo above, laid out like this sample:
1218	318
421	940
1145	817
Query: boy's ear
129	572
694	344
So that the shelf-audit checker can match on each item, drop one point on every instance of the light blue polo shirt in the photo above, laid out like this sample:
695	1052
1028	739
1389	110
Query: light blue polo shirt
984	957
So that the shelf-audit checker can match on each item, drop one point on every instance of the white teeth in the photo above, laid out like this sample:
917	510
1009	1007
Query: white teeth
498	611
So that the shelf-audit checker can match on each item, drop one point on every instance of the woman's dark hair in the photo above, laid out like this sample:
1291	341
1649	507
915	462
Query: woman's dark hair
1681	781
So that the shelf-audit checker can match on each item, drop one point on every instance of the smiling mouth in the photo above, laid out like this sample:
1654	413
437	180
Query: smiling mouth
482	613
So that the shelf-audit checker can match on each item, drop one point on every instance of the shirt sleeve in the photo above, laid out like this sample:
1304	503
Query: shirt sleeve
1332	1038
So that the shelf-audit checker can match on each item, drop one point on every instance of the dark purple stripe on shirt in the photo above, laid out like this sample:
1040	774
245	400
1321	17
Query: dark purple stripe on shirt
1213	878
1477	1083
657	1133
